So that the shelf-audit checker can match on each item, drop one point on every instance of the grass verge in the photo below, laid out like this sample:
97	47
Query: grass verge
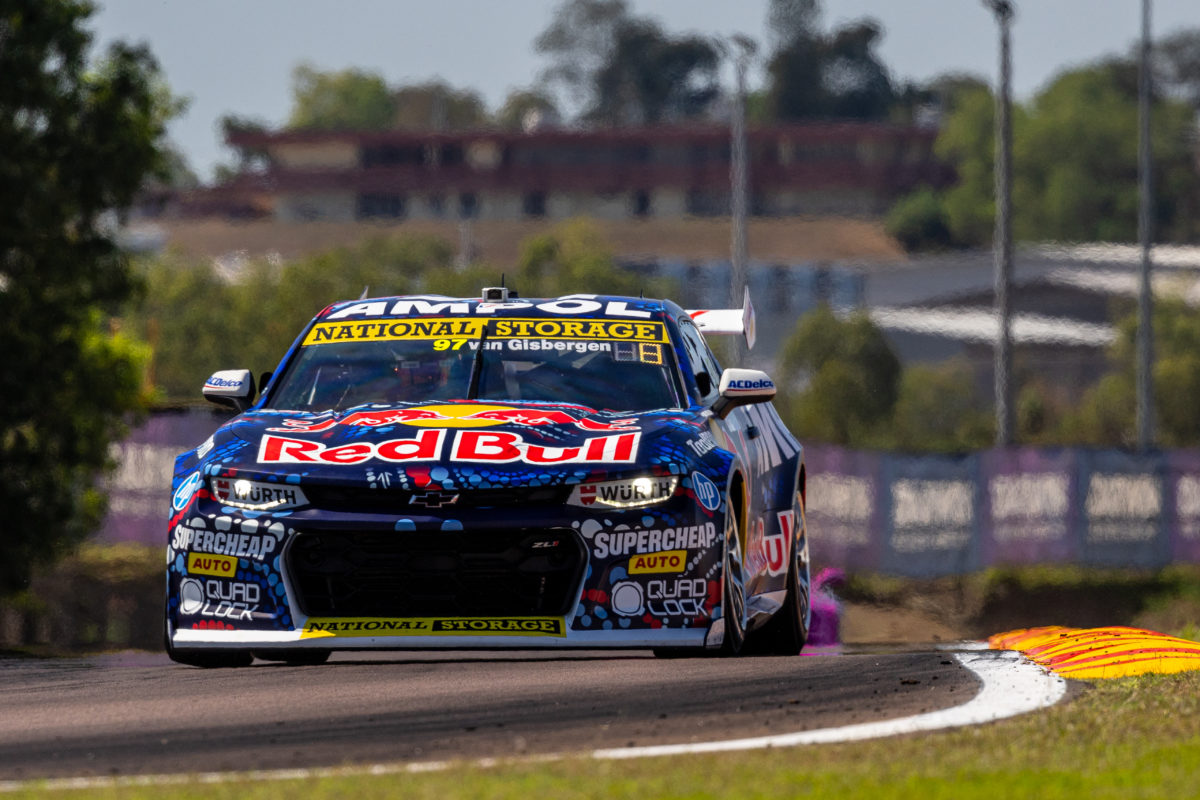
1133	737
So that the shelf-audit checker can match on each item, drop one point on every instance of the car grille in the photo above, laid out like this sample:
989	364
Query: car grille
495	573
386	501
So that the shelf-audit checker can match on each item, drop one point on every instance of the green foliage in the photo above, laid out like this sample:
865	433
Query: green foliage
939	410
77	143
349	99
199	319
920	221
1074	161
1107	414
966	140
574	257
852	378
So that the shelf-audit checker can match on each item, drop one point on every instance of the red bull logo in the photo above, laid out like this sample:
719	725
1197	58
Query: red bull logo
496	447
458	415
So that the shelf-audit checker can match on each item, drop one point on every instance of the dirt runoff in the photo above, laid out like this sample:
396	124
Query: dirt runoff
863	623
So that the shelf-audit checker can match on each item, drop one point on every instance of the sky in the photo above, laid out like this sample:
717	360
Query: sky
237	56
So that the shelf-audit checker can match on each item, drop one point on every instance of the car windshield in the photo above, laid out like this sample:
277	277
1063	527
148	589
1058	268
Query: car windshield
601	364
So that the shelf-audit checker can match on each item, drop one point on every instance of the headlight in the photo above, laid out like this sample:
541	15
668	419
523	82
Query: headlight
628	493
256	495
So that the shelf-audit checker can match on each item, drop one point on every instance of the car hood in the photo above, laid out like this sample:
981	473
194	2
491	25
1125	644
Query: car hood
463	443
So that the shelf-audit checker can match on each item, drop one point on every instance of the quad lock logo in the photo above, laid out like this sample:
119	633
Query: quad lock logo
220	599
661	597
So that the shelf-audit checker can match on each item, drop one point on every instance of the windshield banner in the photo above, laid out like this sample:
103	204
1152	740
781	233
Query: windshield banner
458	328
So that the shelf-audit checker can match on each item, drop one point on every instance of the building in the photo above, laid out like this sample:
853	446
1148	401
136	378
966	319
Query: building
627	173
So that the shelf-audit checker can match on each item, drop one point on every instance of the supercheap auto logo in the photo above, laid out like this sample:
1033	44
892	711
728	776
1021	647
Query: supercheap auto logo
473	328
322	627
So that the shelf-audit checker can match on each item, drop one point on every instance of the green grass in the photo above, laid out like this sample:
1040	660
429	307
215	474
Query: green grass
1128	738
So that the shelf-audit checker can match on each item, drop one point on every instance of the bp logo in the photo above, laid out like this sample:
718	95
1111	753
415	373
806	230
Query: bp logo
707	493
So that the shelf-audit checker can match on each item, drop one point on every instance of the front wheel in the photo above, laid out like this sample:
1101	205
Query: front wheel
733	592
787	631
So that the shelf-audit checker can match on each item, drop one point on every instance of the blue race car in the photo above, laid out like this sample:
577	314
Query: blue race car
434	472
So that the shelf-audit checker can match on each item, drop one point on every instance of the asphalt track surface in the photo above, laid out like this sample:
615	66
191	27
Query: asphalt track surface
134	714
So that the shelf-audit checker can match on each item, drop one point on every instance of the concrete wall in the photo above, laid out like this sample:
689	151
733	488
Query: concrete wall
317	155
340	207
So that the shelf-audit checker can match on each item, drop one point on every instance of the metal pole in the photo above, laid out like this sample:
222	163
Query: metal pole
1145	331
739	180
1002	244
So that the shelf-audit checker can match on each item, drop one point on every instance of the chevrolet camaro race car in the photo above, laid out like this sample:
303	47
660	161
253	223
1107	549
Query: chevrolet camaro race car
432	472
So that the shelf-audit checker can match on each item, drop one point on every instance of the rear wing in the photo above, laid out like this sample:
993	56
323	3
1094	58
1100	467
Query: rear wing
728	320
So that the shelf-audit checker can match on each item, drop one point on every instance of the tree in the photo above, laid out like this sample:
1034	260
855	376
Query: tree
967	141
1177	65
78	142
1106	416
573	257
842	375
527	109
938	409
920	221
437	106
1074	161
814	75
789	20
249	319
579	41
250	158
349	99
651	78
624	70
857	82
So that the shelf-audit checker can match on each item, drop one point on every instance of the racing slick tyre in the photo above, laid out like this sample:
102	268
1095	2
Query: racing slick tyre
733	592
787	631
294	658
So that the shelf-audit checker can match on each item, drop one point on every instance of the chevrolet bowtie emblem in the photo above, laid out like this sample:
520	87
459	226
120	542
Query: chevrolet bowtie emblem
433	499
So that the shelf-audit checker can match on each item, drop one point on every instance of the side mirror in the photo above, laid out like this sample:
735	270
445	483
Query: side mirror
231	387
741	387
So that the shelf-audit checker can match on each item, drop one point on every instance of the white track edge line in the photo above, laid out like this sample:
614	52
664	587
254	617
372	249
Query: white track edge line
1012	685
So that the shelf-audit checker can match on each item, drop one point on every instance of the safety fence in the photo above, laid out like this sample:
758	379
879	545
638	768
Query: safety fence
911	515
924	516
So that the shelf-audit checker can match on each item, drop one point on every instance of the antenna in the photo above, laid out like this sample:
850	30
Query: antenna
366	292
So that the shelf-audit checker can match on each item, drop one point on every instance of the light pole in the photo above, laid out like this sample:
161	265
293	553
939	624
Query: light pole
739	177
1002	240
1145	330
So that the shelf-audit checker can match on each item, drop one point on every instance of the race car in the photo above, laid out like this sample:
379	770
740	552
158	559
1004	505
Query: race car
500	472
